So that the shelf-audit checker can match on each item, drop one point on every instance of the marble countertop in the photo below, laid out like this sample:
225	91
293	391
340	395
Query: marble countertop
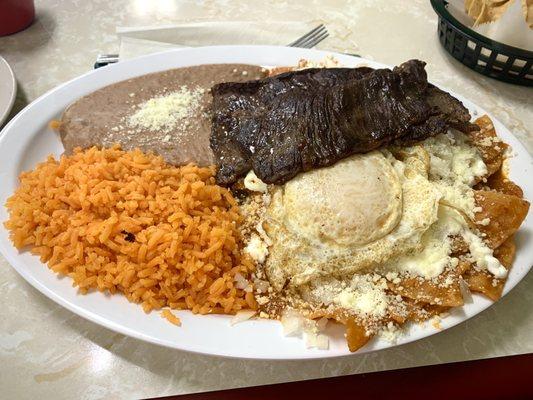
47	351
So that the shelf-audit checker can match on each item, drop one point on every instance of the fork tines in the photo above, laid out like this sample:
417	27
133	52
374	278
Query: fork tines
312	38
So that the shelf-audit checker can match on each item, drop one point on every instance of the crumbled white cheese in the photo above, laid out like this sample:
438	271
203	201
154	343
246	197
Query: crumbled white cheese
257	249
253	183
436	248
391	276
364	297
488	141
448	281
327	62
390	332
458	195
455	166
163	113
261	300
453	159
483	255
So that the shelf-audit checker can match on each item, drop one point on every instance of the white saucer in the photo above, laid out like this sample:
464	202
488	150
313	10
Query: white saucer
8	89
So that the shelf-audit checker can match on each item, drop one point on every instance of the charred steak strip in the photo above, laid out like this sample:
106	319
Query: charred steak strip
301	120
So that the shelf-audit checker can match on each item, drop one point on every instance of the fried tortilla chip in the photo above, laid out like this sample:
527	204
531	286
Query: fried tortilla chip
484	283
487	284
490	146
505	252
420	312
499	182
483	11
430	292
500	217
356	332
444	292
398	317
356	335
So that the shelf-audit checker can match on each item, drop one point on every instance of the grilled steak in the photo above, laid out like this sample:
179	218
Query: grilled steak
297	121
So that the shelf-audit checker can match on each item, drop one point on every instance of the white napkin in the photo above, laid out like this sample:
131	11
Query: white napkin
510	29
137	41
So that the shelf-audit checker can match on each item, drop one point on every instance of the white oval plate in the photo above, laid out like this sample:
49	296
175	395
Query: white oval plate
8	89
27	140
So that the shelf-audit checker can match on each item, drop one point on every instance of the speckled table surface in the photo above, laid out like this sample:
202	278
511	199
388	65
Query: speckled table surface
47	351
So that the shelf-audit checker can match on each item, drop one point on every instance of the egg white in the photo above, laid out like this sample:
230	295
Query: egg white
351	216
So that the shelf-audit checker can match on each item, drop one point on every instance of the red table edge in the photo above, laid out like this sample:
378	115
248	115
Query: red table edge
508	377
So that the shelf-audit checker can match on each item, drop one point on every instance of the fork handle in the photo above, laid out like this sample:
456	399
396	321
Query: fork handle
104	59
100	64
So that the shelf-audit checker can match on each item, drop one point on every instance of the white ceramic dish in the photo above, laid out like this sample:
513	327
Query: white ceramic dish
27	140
8	90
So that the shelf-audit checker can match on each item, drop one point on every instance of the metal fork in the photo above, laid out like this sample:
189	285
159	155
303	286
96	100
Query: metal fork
311	38
307	41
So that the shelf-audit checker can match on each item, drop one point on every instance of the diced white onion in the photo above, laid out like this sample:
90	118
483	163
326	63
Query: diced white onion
465	291
318	341
261	286
240	282
242	316
292	324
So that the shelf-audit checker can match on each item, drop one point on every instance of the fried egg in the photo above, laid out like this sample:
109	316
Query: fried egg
349	217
